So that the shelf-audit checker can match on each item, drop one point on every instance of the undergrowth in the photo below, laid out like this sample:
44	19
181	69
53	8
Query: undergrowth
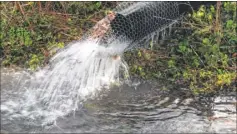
31	32
200	56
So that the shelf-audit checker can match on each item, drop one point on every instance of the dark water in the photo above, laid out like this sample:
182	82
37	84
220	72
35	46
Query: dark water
138	107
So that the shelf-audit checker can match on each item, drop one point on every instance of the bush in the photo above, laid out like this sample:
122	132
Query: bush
31	32
207	55
203	57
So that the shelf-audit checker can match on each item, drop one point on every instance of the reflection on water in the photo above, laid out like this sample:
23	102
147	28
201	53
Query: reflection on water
144	108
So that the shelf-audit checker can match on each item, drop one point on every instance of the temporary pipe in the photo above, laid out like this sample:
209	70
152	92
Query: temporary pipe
142	18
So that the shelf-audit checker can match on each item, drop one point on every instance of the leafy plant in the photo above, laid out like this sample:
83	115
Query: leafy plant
207	61
203	58
31	32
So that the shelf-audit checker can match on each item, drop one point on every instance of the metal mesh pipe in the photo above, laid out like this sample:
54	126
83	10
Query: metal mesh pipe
136	21
143	18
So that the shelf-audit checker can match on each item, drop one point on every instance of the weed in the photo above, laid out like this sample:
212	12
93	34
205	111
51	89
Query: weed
203	60
31	32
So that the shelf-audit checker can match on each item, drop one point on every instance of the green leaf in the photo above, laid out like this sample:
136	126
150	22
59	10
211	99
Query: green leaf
229	24
206	41
98	4
139	54
61	45
171	63
182	48
212	9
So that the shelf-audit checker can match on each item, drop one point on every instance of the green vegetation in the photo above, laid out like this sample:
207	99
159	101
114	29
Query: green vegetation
203	57
31	32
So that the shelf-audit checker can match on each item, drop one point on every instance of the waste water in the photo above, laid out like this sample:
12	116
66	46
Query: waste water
133	107
68	96
75	74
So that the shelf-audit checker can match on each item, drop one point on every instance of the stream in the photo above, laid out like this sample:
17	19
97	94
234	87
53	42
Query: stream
134	107
82	91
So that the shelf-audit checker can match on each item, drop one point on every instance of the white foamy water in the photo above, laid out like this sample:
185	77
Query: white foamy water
76	73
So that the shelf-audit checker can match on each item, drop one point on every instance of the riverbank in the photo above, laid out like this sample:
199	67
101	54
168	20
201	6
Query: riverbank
198	55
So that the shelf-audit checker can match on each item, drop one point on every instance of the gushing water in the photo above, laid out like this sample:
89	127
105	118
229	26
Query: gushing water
76	73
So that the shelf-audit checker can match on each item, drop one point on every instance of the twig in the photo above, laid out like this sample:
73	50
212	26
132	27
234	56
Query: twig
18	5
67	34
217	26
20	8
197	55
65	14
232	68
40	6
47	5
65	11
4	15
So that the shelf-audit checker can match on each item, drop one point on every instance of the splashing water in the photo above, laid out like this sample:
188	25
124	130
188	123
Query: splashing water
76	74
